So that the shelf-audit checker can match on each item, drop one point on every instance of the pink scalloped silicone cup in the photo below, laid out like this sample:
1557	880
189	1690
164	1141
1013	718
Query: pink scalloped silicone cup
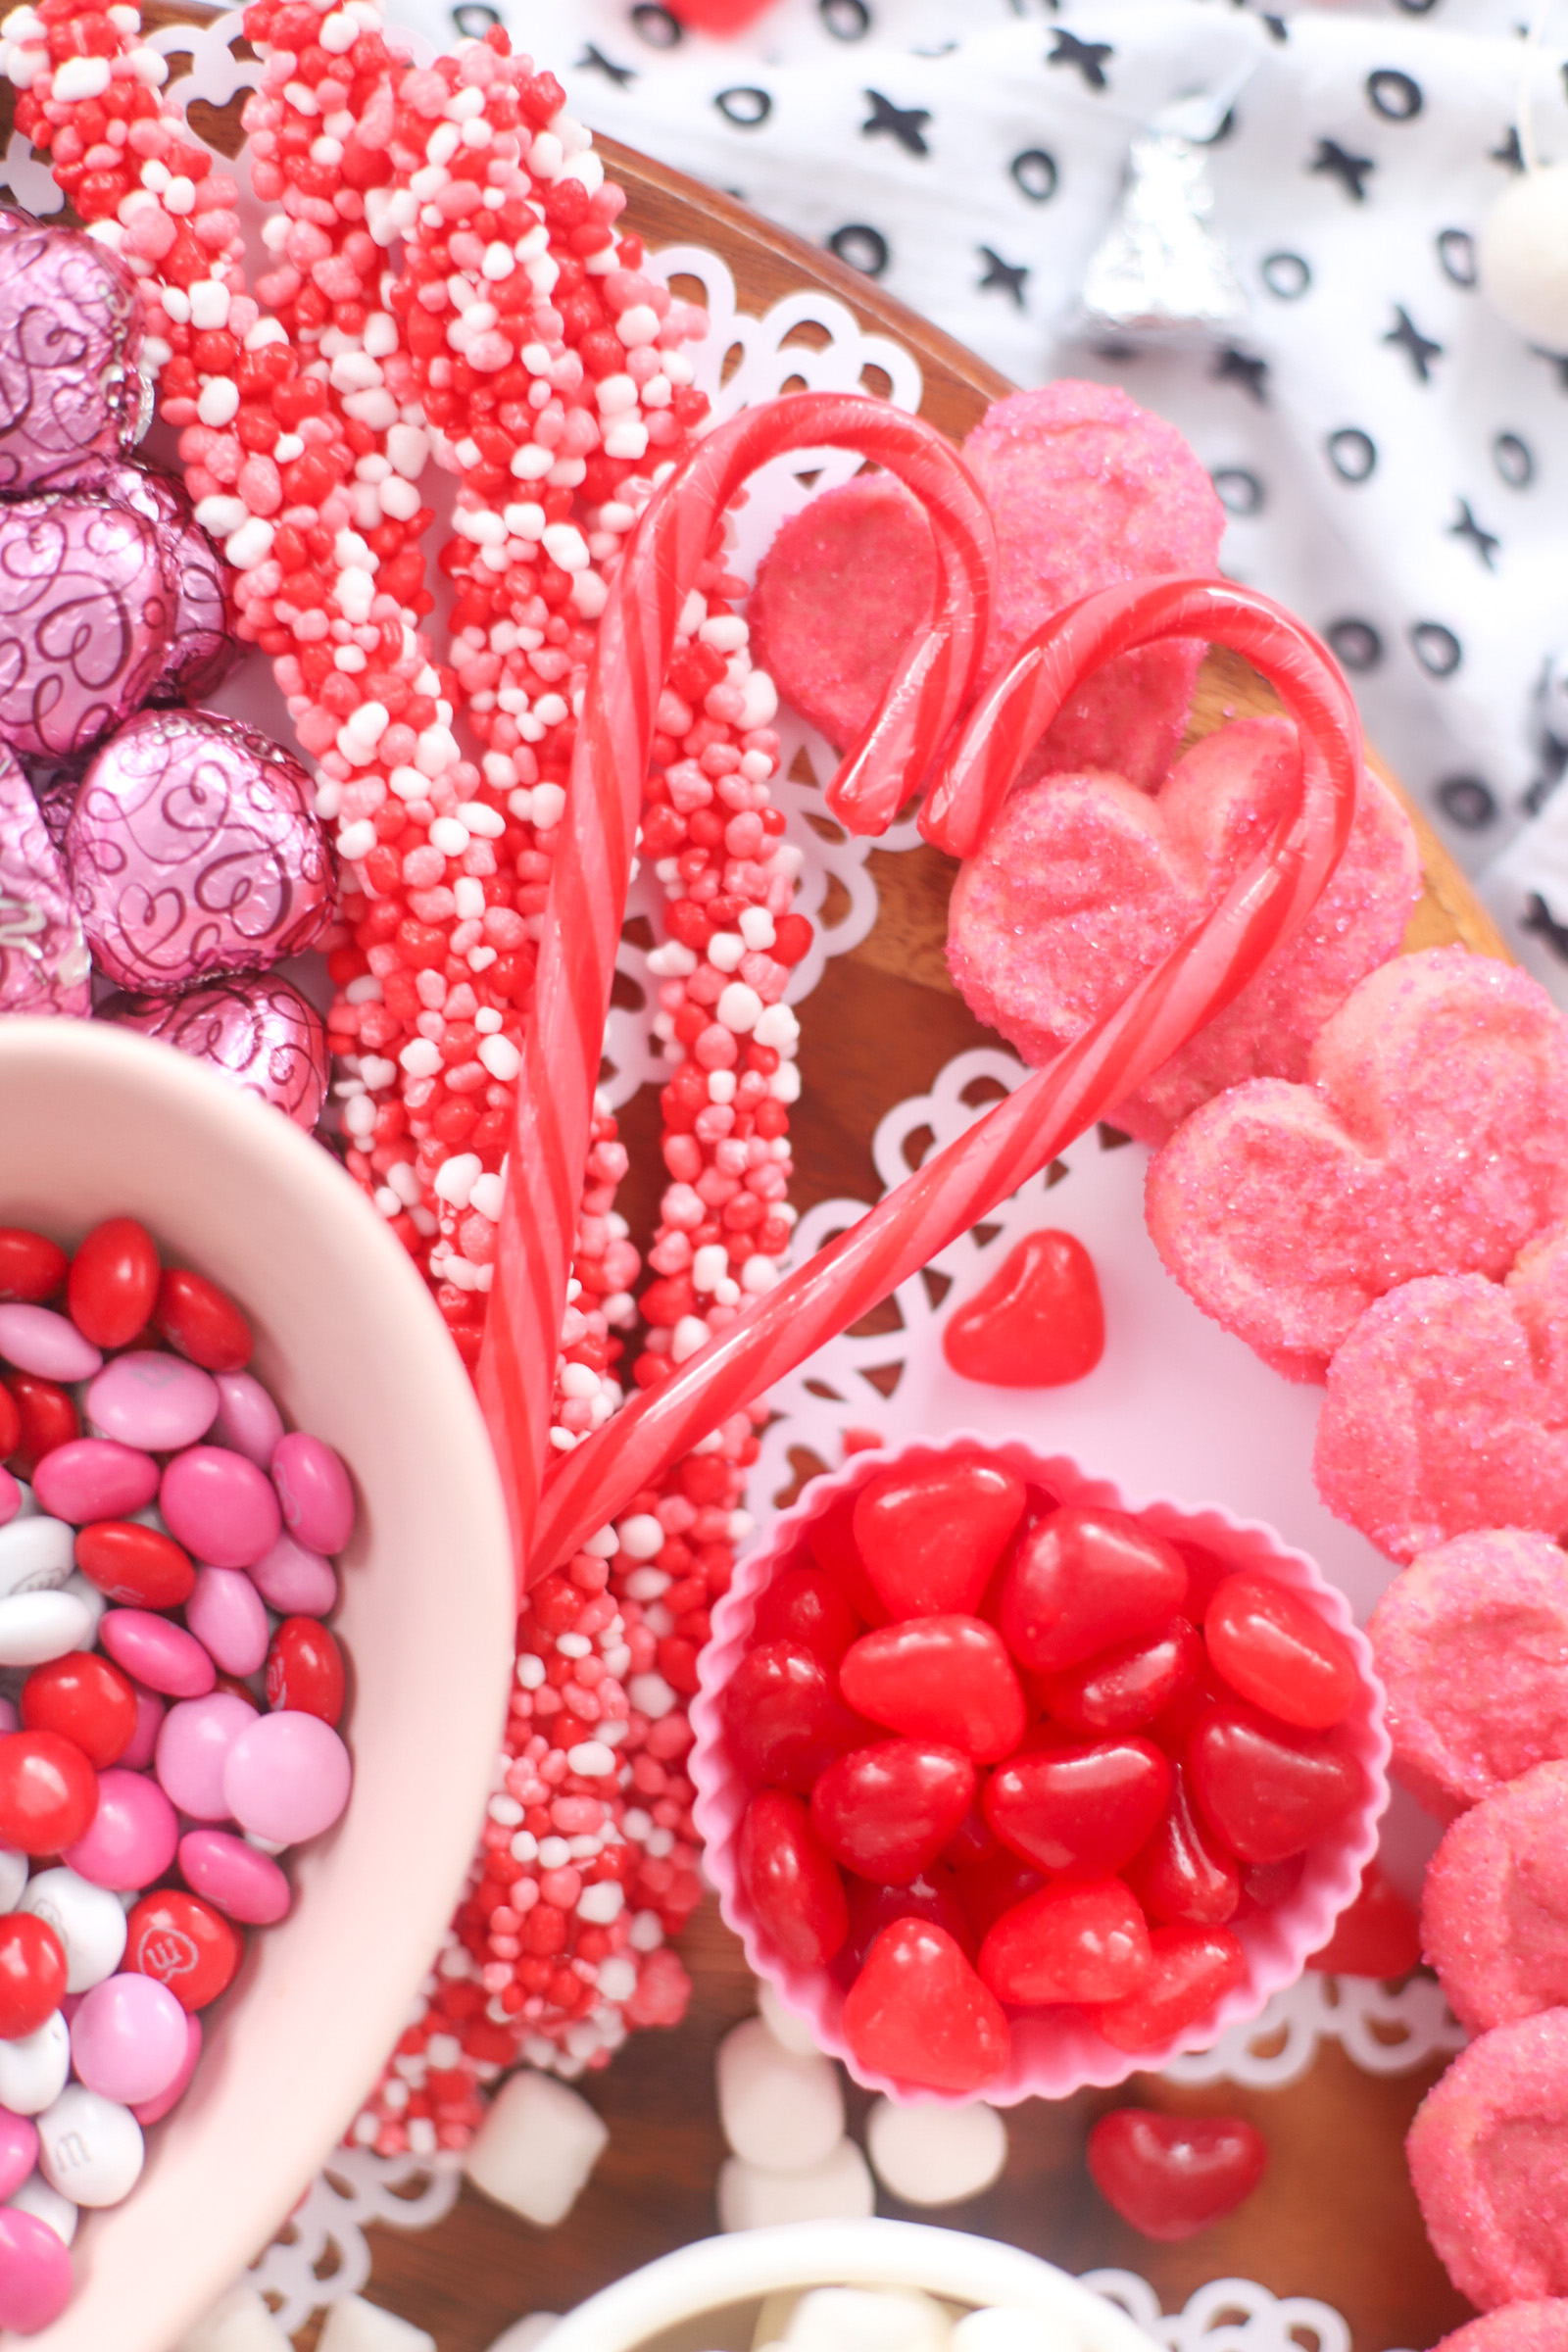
1055	2051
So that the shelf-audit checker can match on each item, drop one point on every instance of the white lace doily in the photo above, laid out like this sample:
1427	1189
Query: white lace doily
1228	2315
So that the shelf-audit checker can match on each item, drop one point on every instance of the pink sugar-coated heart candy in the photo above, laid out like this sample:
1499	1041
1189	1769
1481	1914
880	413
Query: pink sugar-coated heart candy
133	1835
35	1339
219	1506
235	1878
1087	489
294	1582
287	1776
228	1617
10	1498
95	1478
36	2278
1431	1137
1495	1904
152	1399
128	2038
1472	1645
1084	881
246	1418
1489	2161
844	585
18	2150
153	2111
150	1713
194	1748
1448	1407
161	1655
1515	2327
314	1490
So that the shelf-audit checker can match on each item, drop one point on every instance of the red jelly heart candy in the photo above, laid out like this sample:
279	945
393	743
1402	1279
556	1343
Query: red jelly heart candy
932	1896
1124	1688
1273	1647
833	1548
1180	1874
112	1284
1081	1809
930	1537
806	1607
791	1882
1171	2175
1379	1935
32	1267
1192	1968
1267	1794
888	1811
917	2012
784	1721
947	1679
1038	1323
1082	1580
1068	1943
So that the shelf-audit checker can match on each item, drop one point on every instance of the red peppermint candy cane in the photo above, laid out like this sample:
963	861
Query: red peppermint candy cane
1110	1061
593	861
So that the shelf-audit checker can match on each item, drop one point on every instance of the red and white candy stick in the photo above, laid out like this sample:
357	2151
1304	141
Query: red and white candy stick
1108	1061
593	861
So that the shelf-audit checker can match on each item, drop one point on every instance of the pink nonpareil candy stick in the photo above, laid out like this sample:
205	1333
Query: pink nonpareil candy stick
1110	1059
590	875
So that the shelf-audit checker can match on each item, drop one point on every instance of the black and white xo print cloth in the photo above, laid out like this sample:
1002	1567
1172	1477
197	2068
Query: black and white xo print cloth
1392	457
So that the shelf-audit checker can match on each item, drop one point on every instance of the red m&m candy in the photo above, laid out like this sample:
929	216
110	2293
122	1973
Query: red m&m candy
305	1670
203	1322
48	1792
184	1943
33	1974
135	1564
86	1699
32	1267
47	1418
112	1284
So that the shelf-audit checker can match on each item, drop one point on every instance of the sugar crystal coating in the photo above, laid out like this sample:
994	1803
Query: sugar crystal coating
1489	2161
1515	2327
1495	1906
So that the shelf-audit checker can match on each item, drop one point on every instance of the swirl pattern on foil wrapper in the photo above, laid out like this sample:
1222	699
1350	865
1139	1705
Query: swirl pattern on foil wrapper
202	650
192	853
71	335
86	608
254	1029
43	954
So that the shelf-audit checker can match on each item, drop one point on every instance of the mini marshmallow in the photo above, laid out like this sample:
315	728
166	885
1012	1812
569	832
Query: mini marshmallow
355	2326
778	2110
536	2148
527	2335
1000	2331
857	2319
930	2155
790	2032
240	2322
838	2189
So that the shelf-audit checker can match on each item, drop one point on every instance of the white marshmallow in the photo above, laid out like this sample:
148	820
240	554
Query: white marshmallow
790	2032
838	2189
47	2205
1010	2331
780	2111
859	2318
527	2335
536	2148
355	2326
88	1920
240	2322
929	2155
90	2148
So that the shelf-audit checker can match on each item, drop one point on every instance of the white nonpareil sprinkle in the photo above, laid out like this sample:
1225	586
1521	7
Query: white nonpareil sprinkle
778	2109
536	2149
355	2326
640	1535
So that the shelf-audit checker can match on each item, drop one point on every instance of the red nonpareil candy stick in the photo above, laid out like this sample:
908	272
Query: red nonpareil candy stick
931	1536
1038	1323
1171	2176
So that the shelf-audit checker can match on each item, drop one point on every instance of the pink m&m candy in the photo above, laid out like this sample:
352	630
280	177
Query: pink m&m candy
227	1615
246	1418
193	1748
36	2278
314	1490
153	2111
18	2150
287	1776
132	1837
161	1655
95	1478
36	1340
235	1878
152	1399
128	2040
150	1713
294	1582
219	1506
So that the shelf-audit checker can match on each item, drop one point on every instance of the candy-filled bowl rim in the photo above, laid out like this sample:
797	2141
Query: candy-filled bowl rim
99	1121
1053	2054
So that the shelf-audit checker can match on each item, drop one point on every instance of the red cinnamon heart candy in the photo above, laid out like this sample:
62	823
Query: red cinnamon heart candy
931	1537
1272	1645
1181	1873
783	1718
1378	1935
1086	1810
918	2011
807	1608
888	1811
1068	1943
1171	2175
1123	1688
1038	1323
1083	1579
1267	1793
790	1880
833	1548
947	1679
1192	1968
932	1896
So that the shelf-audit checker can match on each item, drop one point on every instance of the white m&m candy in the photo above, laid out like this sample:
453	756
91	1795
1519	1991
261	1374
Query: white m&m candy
88	1920
34	2068
90	2148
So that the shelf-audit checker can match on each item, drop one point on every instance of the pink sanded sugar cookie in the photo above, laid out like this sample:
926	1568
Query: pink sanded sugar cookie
1087	489
1083	882
1429	1137
1472	1645
1489	2161
840	593
1495	1906
1515	2327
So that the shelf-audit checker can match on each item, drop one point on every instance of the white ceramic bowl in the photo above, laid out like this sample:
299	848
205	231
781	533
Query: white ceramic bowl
95	1120
708	2295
